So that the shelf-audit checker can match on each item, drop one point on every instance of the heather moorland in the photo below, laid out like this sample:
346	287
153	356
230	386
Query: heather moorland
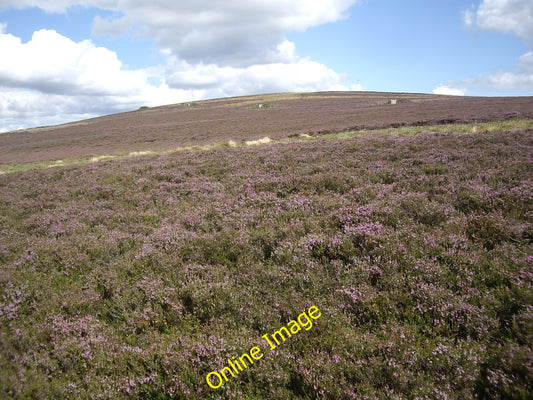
132	268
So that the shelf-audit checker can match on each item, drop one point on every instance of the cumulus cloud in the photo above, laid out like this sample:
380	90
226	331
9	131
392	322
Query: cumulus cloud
211	49
300	75
229	33
53	75
52	79
448	91
52	63
504	80
506	16
21	108
522	80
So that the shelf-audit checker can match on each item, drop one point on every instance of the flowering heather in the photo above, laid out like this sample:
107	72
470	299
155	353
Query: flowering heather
240	119
135	278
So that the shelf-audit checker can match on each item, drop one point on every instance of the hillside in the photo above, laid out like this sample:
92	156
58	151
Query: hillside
367	251
240	119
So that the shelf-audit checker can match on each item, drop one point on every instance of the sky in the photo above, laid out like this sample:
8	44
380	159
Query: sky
66	60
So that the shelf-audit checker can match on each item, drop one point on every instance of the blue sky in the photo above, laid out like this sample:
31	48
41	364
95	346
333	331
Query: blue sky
64	60
411	46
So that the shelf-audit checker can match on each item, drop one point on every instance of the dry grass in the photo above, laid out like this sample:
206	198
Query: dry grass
512	124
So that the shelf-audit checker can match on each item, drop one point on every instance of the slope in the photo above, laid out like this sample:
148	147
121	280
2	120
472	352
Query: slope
246	118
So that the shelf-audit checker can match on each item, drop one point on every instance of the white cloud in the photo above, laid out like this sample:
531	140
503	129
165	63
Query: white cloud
507	16
52	63
57	6
448	91
522	80
211	48
298	75
52	79
227	33
21	108
502	80
525	63
510	17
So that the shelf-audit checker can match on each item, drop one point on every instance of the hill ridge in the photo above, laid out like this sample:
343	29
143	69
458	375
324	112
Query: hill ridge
243	119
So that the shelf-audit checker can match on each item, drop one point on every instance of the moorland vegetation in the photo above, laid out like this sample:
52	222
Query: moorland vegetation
136	277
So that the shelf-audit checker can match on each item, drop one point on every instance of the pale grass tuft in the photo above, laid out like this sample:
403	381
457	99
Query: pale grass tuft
265	140
141	153
56	163
102	158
